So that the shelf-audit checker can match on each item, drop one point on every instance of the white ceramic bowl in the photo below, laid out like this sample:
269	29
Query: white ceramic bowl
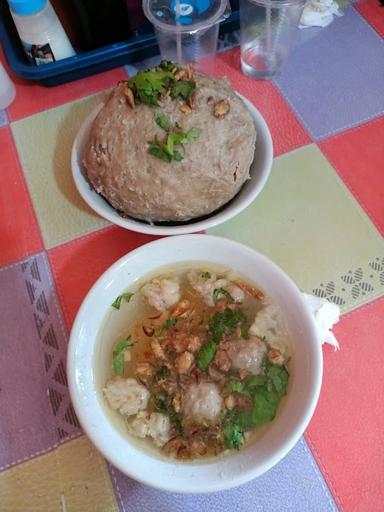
259	171
89	360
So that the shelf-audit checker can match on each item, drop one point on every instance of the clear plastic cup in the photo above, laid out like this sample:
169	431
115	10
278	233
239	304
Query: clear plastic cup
268	29
186	30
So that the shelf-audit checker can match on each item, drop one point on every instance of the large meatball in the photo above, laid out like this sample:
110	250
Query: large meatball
202	403
213	169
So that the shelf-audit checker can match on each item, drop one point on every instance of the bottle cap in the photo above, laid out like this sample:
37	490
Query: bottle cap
25	7
184	15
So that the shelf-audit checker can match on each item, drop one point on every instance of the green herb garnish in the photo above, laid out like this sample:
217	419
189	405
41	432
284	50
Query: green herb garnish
163	121
159	153
163	403
118	355
162	373
206	275
148	85
175	419
235	386
245	331
170	322
206	354
183	89
233	435
165	149
221	291
265	392
219	325
126	296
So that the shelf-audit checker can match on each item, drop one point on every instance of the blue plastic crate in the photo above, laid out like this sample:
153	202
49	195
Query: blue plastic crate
141	46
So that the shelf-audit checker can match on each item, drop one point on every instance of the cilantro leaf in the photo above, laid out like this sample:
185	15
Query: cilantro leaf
225	322
177	156
148	85
264	408
279	377
167	65
191	135
183	89
175	419
171	322
126	296
161	401
163	121
159	153
235	386
255	381
233	436
118	355
206	275
206	354
162	373
221	291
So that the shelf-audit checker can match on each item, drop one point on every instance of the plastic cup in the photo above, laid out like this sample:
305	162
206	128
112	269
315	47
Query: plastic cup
268	29
186	30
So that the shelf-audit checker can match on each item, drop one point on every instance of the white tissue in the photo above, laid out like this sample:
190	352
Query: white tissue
319	13
326	314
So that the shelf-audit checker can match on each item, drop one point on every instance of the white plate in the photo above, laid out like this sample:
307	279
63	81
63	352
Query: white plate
89	360
259	171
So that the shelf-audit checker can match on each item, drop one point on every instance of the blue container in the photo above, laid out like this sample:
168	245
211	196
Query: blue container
141	46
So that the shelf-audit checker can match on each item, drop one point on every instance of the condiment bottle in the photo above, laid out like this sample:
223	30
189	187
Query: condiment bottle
40	31
7	89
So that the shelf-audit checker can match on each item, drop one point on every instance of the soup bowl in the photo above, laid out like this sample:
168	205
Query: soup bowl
89	361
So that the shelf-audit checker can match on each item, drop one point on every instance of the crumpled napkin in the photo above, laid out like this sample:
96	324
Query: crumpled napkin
326	314
319	13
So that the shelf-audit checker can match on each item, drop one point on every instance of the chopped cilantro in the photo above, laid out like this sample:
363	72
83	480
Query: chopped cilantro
278	376
221	291
175	419
177	156
206	275
191	135
148	85
219	324
234	424
161	401
255	381
206	354
159	153
225	322
183	89
118	355
162	373
165	150
167	65
171	322
126	296
163	121
235	386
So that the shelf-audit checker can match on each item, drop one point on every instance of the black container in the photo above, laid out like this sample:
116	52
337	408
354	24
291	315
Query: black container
140	45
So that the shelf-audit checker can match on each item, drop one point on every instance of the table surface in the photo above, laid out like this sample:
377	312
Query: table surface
320	217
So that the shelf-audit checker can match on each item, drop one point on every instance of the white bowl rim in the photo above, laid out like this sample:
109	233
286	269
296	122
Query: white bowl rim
229	211
191	487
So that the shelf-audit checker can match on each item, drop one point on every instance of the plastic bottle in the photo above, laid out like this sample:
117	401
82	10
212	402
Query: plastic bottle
7	89
40	31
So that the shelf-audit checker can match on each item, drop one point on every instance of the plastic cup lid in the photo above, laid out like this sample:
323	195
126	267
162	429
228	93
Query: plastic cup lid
184	15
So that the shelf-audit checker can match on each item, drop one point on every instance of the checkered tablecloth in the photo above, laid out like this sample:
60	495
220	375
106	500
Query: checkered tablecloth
320	217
